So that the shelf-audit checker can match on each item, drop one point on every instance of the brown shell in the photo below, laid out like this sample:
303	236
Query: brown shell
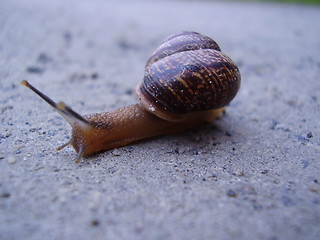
181	42
189	80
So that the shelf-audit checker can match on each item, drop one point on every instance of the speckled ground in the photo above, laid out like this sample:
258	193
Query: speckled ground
254	174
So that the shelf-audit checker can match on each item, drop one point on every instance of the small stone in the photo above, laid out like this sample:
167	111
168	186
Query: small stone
116	152
94	75
265	171
129	91
305	163
5	195
181	150
231	193
174	151
238	173
228	134
19	146
309	135
95	222
314	188
214	177
34	69
194	151
12	160
44	58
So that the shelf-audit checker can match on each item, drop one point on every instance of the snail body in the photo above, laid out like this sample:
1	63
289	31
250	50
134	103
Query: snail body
187	81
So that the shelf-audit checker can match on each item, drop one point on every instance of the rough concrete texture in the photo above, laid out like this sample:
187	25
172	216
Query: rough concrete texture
254	174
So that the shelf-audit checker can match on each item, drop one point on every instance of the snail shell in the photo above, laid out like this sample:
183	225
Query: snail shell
187	73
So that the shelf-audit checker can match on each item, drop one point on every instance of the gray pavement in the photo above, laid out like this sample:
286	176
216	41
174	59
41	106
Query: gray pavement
254	174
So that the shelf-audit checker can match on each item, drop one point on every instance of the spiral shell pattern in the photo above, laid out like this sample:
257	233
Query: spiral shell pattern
182	42
197	79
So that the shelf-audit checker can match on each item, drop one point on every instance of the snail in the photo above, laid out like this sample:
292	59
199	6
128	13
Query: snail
187	81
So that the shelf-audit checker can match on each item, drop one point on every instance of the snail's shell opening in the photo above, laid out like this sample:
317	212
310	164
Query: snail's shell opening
149	106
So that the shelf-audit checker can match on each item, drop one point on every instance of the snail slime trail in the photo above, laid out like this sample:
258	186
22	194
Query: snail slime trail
187	81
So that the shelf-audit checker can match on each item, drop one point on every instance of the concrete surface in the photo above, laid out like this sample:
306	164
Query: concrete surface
254	174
